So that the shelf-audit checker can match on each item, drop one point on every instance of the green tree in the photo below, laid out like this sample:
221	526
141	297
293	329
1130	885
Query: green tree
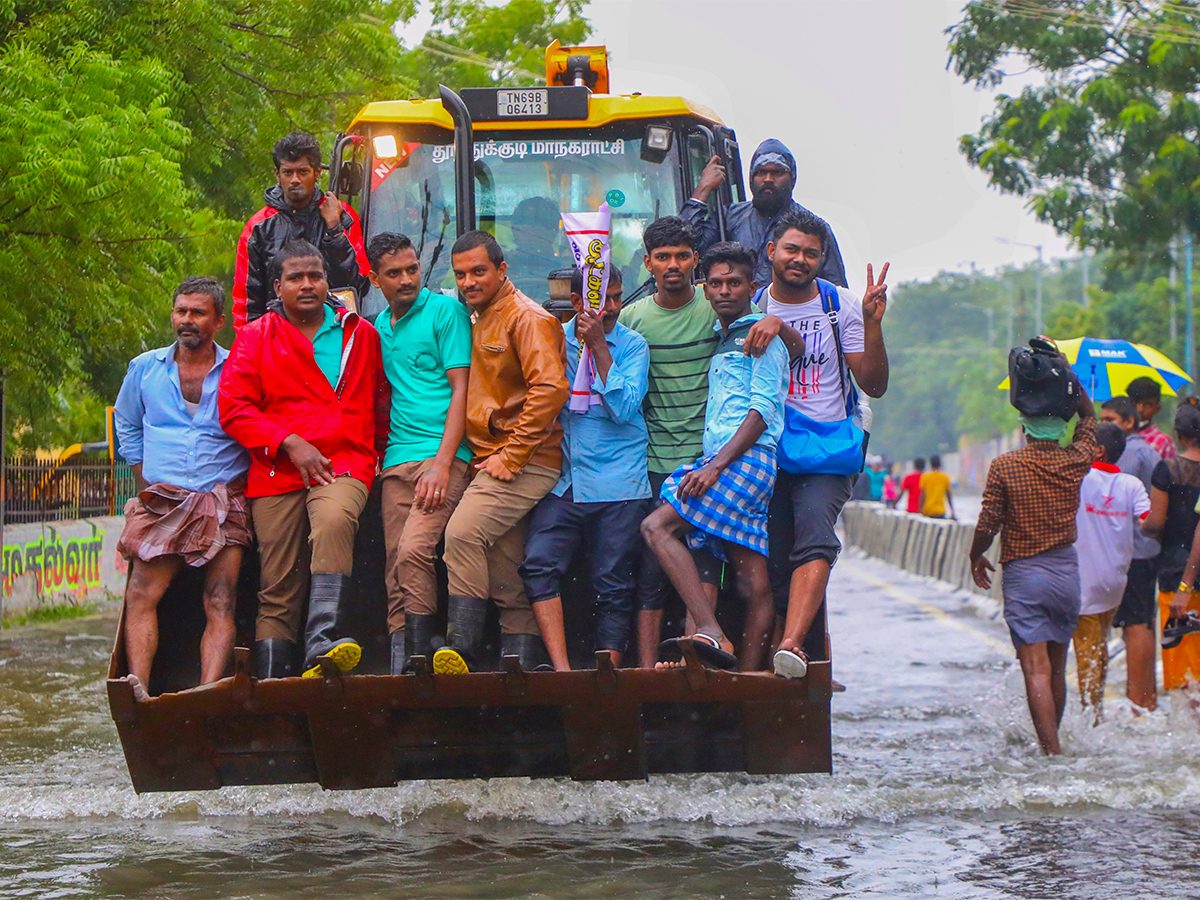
79	254
477	43
1105	145
135	139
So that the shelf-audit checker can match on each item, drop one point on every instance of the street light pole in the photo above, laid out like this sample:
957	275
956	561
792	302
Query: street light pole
1037	306
1189	352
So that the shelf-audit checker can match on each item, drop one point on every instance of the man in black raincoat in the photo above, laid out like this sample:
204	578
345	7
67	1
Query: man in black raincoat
752	223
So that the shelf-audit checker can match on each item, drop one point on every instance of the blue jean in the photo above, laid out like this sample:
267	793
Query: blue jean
610	535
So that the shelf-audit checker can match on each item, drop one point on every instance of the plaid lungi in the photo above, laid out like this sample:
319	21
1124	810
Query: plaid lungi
166	520
735	508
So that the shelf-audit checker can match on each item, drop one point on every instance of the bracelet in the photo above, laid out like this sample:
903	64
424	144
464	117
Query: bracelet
1186	588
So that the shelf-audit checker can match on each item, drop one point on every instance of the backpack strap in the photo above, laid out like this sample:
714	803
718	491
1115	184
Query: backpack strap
831	304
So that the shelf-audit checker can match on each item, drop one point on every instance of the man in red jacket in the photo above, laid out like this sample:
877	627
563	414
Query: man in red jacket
303	390
296	210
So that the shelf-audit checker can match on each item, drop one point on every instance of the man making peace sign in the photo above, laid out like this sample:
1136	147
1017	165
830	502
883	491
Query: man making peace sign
843	338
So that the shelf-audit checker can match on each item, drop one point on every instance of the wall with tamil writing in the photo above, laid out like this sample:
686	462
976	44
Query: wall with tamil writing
61	562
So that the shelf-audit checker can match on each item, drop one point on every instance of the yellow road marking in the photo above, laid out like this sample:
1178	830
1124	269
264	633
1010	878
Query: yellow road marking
1004	647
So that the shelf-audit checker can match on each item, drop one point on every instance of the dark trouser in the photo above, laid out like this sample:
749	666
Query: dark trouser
801	523
609	533
651	579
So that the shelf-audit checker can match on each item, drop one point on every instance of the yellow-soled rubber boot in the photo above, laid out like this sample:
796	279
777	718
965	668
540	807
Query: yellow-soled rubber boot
345	656
448	661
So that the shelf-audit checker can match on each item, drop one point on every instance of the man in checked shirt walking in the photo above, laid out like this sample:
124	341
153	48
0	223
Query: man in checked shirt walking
1031	498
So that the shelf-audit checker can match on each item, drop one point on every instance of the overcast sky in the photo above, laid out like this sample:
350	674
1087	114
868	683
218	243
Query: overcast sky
859	91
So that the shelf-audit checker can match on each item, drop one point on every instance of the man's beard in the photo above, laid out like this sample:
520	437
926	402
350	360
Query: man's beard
189	338
769	200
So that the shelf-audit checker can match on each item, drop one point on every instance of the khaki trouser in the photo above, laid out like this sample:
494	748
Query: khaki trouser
304	531
412	537
1091	656
485	542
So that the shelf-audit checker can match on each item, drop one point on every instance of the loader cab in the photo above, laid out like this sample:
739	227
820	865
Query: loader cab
536	152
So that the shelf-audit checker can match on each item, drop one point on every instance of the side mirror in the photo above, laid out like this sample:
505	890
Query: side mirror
351	178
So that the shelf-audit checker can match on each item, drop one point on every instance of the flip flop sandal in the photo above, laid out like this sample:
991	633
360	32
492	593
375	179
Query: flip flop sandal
1176	629
707	648
790	664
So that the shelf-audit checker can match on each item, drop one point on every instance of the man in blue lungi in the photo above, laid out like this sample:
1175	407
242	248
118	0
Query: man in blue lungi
721	499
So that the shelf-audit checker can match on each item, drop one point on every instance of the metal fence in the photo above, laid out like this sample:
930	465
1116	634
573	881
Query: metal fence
82	486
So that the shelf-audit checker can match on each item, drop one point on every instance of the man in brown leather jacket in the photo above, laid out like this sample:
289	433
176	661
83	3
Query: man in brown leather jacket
517	387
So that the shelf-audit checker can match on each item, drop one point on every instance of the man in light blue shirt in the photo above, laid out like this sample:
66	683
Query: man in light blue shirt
190	509
601	497
724	495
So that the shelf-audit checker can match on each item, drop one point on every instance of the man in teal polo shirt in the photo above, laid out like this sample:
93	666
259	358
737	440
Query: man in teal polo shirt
426	343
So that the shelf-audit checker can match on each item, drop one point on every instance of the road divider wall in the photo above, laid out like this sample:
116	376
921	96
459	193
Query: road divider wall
935	548
53	563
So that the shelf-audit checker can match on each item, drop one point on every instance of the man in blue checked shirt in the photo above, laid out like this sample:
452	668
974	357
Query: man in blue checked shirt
601	497
190	510
724	495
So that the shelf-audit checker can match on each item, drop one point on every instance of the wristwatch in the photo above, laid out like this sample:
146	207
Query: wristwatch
335	232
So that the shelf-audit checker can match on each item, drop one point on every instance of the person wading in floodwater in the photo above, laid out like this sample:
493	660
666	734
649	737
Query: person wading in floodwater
1030	500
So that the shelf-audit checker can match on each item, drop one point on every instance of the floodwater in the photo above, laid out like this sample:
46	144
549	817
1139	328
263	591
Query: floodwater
938	791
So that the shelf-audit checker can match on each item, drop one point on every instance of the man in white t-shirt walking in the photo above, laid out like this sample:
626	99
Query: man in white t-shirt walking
804	545
1111	507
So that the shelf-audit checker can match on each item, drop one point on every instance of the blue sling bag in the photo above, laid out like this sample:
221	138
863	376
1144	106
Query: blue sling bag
825	448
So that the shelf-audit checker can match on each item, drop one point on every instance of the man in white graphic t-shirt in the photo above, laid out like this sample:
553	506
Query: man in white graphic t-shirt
804	545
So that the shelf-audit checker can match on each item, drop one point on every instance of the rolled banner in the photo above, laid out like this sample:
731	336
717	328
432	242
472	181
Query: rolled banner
590	236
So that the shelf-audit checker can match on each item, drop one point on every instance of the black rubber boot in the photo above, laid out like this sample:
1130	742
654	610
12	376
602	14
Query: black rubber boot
325	597
464	629
418	632
529	649
274	658
399	641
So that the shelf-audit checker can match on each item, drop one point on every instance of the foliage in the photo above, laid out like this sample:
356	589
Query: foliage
135	140
945	369
1105	144
79	254
478	43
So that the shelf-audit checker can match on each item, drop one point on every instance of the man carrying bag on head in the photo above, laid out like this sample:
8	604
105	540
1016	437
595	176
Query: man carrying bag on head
824	441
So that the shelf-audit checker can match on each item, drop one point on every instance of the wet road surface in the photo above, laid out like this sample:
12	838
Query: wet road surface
938	791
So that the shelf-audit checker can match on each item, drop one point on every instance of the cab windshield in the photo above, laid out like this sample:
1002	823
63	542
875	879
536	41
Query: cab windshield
521	187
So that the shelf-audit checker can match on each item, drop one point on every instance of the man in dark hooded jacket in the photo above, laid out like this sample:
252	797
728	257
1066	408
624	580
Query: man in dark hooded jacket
752	223
296	210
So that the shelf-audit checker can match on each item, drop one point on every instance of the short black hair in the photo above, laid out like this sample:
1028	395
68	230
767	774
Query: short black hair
384	243
297	249
473	239
1111	437
1143	389
935	462
805	222
1122	406
614	277
670	231
1187	423
297	146
202	284
919	464
732	254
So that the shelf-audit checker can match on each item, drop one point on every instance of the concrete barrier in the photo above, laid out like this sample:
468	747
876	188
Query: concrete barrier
934	548
53	563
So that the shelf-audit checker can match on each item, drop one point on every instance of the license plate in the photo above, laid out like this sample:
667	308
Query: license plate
522	104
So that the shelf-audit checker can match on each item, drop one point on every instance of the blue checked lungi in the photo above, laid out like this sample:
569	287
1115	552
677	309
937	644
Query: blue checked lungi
735	508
